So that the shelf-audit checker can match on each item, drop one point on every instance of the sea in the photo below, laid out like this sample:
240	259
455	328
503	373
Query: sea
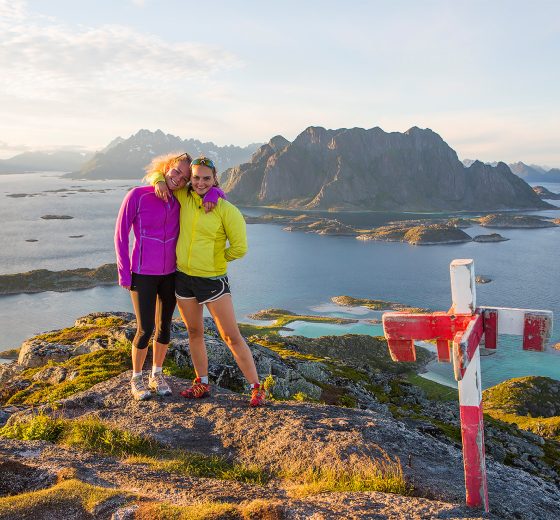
295	271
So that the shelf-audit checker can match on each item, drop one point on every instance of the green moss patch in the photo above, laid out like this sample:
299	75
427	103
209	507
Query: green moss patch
97	328
89	369
434	391
532	403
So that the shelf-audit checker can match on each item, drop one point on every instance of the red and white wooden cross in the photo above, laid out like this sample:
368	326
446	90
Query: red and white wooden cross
463	328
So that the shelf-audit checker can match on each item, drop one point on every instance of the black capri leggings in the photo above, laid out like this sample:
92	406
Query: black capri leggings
153	298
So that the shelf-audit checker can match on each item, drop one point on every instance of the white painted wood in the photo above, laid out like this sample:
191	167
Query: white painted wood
463	291
470	387
510	321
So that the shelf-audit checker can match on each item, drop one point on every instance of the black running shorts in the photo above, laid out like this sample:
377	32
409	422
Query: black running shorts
205	290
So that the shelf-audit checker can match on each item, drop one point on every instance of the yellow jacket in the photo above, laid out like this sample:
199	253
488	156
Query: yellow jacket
202	249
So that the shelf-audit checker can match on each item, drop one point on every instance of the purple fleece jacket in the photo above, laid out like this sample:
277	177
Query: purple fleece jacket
156	230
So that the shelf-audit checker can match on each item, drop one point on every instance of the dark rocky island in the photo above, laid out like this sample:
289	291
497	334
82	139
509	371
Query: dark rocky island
543	193
41	280
431	234
509	221
357	169
492	237
418	232
347	433
57	217
377	305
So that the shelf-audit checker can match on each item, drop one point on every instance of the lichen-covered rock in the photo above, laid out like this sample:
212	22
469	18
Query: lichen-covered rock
95	317
51	374
36	353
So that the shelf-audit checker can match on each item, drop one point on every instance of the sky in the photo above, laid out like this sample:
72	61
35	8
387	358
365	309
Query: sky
485	75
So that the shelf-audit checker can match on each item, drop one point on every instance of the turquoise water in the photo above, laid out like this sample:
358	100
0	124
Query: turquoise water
316	330
509	360
295	271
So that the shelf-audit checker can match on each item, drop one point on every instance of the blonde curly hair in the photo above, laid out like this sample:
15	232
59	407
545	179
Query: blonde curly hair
163	163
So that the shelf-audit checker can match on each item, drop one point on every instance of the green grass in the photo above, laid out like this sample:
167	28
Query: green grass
90	368
91	434
207	510
357	475
55	501
211	510
197	465
170	368
528	402
86	433
434	391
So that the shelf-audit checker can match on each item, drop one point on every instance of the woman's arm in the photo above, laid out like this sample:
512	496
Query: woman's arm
127	214
236	232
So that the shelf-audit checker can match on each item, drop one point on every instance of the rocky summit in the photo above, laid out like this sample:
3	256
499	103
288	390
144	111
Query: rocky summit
347	433
358	169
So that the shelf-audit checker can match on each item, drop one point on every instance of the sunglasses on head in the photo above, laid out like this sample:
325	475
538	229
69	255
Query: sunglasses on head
185	155
204	161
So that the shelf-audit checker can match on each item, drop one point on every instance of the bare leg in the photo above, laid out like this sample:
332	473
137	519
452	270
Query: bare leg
191	312
224	317
160	350
138	358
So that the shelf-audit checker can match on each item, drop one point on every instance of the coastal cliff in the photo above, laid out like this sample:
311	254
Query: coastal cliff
358	169
346	432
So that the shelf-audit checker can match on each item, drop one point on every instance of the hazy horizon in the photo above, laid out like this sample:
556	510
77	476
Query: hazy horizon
81	74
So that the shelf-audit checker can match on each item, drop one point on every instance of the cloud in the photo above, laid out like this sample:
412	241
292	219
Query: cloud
49	61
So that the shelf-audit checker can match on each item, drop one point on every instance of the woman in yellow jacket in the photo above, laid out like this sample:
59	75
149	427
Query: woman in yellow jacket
201	277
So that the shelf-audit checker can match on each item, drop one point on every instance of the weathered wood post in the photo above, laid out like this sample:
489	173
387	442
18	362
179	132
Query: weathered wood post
463	326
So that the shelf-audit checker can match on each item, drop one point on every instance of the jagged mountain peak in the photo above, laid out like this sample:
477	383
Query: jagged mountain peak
126	158
373	170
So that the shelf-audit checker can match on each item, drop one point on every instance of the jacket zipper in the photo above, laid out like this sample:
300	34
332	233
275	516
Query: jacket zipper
195	220
165	234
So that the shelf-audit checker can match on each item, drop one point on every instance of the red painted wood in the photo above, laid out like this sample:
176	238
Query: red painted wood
465	345
472	433
402	350
473	334
438	325
490	322
535	331
443	350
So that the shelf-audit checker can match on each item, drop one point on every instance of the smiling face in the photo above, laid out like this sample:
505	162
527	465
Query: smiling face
178	177
202	179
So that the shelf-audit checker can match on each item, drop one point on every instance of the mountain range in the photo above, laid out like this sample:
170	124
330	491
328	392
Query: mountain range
529	173
126	158
60	160
358	169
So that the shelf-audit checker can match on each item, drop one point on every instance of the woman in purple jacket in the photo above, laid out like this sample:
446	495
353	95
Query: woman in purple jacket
149	272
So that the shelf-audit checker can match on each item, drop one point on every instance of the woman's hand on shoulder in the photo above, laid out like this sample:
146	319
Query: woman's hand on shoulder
211	198
209	206
162	191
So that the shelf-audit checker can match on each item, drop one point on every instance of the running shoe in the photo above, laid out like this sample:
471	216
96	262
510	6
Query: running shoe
159	385
138	389
257	396
197	390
